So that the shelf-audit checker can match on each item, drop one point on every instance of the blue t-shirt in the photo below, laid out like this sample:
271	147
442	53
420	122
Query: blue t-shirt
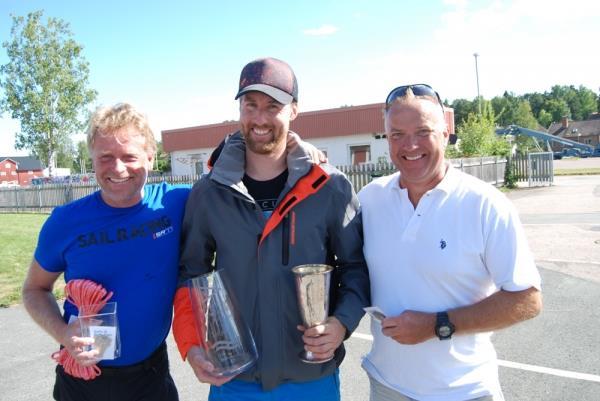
131	251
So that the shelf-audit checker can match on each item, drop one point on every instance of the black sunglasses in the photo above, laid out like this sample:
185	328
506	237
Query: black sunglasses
417	90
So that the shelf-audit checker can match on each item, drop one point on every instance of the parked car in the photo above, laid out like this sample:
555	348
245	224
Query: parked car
571	152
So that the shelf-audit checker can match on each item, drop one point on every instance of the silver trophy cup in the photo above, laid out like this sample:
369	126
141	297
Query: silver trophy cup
312	288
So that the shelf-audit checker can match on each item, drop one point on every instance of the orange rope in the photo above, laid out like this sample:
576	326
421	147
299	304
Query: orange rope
91	296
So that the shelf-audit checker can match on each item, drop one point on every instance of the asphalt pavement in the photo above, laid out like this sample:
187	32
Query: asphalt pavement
554	357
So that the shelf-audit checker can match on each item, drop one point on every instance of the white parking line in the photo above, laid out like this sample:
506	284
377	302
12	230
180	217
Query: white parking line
523	366
550	371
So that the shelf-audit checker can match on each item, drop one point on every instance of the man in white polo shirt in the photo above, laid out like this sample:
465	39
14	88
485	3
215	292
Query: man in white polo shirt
448	261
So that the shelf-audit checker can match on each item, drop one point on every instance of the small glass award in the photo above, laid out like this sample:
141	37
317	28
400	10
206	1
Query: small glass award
101	324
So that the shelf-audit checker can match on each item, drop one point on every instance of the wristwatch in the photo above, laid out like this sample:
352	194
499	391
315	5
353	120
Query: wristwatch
443	328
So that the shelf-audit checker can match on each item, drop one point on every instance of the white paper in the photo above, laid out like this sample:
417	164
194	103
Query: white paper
375	313
105	339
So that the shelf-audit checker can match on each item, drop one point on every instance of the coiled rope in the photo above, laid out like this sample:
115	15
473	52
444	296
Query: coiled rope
87	295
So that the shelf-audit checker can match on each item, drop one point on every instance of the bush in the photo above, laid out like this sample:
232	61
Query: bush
510	178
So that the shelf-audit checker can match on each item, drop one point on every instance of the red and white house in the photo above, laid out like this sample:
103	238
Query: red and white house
18	170
348	135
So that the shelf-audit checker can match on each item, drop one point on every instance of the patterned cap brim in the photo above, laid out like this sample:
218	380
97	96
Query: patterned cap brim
277	94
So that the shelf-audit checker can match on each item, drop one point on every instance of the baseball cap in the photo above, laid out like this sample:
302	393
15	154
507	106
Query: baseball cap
270	76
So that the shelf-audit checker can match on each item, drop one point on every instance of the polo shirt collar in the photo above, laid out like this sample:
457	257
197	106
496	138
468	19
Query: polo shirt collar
450	180
447	185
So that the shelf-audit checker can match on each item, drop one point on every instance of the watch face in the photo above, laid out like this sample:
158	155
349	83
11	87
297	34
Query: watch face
444	331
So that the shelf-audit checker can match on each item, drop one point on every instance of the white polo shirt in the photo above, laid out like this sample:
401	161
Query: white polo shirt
462	243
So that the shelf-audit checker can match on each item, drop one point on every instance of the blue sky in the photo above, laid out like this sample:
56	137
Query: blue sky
179	61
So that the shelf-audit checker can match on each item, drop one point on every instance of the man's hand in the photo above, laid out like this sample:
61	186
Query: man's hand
203	368
410	327
76	345
324	339
293	141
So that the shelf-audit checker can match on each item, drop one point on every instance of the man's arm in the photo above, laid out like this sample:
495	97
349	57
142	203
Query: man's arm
43	308
197	249
499	310
353	291
40	302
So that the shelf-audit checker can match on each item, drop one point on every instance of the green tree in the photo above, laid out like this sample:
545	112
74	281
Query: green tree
83	162
536	101
581	101
65	154
462	109
523	115
588	102
557	108
510	109
478	135
163	159
561	100
544	118
45	84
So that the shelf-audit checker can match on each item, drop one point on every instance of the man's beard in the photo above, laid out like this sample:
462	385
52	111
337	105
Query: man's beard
263	148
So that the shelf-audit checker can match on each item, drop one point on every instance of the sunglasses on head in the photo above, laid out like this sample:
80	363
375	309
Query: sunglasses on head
417	90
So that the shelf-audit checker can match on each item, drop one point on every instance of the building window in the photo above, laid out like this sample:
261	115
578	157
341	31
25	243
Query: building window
324	151
2	172
29	172
7	165
13	173
360	154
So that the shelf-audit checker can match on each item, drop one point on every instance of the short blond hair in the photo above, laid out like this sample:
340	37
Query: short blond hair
409	97
107	119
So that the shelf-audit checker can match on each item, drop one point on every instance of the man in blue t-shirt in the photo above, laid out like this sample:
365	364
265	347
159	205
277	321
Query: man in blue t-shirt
124	237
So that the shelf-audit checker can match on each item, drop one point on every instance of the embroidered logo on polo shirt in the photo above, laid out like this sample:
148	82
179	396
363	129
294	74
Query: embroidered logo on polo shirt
442	244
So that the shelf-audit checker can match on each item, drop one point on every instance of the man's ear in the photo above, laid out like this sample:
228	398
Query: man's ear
151	157
294	111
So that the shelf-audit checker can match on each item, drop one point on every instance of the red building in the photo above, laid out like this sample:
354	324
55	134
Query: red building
347	135
17	170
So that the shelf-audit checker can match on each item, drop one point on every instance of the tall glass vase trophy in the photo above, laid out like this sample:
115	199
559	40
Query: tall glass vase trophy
225	337
312	288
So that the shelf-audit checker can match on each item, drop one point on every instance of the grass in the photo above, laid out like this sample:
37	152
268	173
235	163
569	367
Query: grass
18	236
577	171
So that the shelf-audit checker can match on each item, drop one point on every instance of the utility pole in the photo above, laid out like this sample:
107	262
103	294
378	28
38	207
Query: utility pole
477	77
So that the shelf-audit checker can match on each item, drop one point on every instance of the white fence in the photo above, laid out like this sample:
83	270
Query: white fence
489	169
43	198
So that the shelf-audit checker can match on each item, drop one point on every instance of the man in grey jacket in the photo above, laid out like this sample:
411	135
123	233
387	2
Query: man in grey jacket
262	212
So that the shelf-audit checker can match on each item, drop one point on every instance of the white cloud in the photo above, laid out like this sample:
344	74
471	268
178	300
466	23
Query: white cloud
522	47
323	30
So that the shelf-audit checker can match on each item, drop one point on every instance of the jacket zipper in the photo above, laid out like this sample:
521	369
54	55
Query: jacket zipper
285	240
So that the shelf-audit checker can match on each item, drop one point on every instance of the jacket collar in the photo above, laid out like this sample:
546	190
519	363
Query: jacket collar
230	166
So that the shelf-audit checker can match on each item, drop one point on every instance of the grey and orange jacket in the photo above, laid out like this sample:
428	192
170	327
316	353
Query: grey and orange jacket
317	220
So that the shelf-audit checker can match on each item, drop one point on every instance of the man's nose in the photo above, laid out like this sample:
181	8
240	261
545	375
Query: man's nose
410	141
260	118
119	165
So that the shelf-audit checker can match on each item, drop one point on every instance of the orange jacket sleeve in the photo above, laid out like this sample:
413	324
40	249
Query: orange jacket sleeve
184	326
